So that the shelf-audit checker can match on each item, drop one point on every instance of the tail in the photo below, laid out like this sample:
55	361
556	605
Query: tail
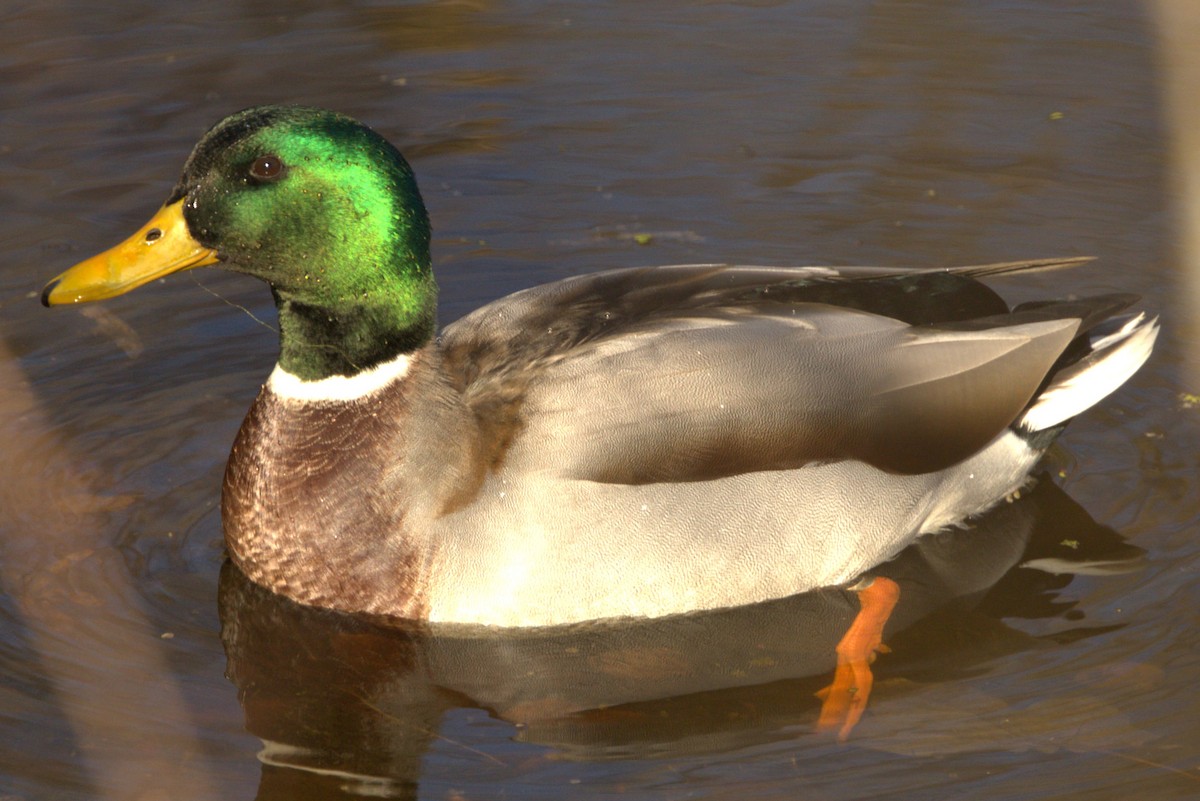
1111	352
1106	354
1107	350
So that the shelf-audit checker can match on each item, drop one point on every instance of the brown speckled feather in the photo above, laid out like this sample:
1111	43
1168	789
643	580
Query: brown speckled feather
327	502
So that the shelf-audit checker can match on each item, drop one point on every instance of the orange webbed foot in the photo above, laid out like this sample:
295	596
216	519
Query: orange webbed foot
845	700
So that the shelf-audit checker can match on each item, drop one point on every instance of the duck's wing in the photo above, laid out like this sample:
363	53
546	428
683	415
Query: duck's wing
680	374
552	318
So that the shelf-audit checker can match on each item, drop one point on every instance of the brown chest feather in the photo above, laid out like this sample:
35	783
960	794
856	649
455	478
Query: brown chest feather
315	506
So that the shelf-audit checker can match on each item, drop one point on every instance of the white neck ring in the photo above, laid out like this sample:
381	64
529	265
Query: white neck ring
339	387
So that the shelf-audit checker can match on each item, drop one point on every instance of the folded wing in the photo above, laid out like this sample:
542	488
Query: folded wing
689	374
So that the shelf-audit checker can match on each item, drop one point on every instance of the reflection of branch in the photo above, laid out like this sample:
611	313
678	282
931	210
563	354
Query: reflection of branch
1179	67
426	731
116	329
1151	763
80	613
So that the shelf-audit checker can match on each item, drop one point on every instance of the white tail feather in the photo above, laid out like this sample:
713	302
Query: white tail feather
1116	357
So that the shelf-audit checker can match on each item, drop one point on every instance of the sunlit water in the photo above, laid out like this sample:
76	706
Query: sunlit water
552	139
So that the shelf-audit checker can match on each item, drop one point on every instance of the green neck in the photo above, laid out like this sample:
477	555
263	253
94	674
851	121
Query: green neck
319	341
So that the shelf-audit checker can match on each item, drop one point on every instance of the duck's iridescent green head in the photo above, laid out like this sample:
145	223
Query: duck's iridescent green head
321	208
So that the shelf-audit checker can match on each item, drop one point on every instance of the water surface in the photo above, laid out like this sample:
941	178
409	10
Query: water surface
552	139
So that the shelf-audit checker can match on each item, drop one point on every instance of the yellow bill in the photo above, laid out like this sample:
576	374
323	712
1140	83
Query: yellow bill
160	247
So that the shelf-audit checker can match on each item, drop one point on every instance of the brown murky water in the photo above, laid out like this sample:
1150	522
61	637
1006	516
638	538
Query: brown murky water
552	139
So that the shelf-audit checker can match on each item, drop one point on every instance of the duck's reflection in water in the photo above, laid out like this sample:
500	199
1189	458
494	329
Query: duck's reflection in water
347	704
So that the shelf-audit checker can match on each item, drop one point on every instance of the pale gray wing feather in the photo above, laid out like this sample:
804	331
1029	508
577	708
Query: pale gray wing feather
713	395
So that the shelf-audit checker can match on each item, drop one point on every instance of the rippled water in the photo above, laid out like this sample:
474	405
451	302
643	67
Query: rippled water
552	139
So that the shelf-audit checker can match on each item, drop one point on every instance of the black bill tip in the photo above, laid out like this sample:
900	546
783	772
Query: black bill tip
46	292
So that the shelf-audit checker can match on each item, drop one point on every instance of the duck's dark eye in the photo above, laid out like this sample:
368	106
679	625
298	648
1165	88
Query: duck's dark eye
266	168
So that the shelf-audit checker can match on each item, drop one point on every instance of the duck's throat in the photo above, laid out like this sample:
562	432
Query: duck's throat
319	342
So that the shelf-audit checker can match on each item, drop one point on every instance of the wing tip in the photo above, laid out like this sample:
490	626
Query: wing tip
1023	266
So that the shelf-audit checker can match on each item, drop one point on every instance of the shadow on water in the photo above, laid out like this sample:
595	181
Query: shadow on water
347	707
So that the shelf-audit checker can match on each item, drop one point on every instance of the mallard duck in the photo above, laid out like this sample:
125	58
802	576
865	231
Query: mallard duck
637	442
